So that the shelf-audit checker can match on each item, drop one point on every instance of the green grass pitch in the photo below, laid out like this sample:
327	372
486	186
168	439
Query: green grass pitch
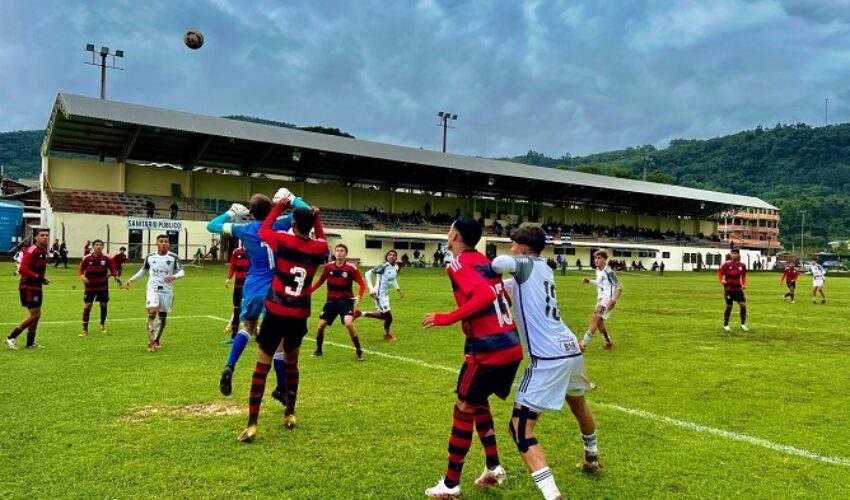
683	409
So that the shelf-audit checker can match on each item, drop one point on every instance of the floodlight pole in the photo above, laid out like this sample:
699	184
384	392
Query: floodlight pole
445	121
104	52
802	225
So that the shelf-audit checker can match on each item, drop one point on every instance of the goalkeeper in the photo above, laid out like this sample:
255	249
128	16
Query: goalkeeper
259	277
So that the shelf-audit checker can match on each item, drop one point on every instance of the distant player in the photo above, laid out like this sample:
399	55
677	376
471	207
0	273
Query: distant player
119	260
259	279
818	277
789	276
556	371
95	269
492	355
18	258
608	292
386	275
239	266
733	275
32	270
297	257
341	277
164	267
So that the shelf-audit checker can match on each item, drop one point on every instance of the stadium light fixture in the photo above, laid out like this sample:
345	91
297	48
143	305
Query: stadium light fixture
491	180
296	155
445	121
103	53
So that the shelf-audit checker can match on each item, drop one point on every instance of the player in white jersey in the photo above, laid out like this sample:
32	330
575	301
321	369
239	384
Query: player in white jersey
609	290
556	371
164	267
818	277
385	276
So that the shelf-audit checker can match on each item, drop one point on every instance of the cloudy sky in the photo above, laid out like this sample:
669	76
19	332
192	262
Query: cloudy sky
553	76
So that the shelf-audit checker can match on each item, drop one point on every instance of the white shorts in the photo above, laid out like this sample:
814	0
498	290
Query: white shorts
817	282
382	303
545	383
159	299
606	313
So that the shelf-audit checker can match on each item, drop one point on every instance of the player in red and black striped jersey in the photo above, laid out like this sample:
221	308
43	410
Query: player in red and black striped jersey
32	269
789	276
239	266
492	354
297	257
119	259
733	275
341	277
95	269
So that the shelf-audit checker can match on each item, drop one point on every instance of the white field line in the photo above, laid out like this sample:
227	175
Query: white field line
140	319
639	413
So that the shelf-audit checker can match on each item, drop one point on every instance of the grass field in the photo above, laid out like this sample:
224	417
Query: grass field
683	409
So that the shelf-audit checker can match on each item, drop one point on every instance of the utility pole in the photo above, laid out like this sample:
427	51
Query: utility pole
825	112
802	225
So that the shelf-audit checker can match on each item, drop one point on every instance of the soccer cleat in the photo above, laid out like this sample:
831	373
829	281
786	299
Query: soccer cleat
389	337
823	301
156	345
151	347
289	421
228	329
726	328
317	353
103	328
280	396
248	434
793	301
84	333
443	491
225	384
609	346
491	477
814	301
35	346
744	328
11	343
360	356
591	463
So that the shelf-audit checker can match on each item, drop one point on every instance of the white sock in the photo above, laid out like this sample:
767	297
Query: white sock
587	337
546	482
590	443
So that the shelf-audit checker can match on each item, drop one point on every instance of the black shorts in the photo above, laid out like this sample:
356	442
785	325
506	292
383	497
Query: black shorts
735	297
30	299
101	296
237	297
334	308
276	328
476	382
792	284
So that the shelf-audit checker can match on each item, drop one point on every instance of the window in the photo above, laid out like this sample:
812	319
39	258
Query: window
570	251
649	254
401	245
417	245
665	255
622	253
374	244
686	258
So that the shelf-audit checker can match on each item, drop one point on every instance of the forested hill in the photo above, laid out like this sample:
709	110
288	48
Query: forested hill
795	167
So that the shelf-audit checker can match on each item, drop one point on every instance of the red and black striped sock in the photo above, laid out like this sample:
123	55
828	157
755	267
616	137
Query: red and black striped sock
459	443
291	387
86	314
484	428
258	387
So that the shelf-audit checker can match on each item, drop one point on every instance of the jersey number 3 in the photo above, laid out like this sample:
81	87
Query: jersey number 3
300	275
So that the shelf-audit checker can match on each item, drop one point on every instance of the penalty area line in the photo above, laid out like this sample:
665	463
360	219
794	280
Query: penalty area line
109	320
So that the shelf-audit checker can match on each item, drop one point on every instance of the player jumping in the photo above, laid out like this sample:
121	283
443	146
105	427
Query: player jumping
608	292
556	371
492	355
386	275
239	267
164	267
733	275
95	269
341	277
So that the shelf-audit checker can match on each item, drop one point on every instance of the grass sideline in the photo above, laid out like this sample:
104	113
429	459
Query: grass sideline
101	417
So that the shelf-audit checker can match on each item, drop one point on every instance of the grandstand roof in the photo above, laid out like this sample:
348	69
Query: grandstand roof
124	131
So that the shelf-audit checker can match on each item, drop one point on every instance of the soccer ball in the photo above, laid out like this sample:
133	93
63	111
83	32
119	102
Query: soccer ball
193	39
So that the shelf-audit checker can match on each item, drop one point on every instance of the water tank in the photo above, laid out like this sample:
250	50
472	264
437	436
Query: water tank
11	220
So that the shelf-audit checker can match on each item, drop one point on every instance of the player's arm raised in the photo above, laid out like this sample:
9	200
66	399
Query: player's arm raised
267	232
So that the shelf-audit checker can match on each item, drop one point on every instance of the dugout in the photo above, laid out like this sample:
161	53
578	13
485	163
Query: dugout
124	152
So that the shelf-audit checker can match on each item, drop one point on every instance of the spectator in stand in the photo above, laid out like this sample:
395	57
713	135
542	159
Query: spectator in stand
174	208
150	208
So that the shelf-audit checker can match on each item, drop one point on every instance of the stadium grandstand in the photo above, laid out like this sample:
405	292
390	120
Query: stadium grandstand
116	171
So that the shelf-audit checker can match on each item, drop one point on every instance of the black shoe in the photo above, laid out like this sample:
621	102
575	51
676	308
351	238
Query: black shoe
360	356
280	396
318	353
225	384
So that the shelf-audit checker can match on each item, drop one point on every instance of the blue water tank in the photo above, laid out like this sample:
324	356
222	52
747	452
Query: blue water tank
11	221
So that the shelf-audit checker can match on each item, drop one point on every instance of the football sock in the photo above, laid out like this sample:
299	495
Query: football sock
291	387
544	480
234	321
388	321
15	333
726	314
607	338
30	337
590	443
258	387
356	341
743	315
162	317
459	443
320	339
239	342
151	327
484	428
279	371
102	314
587	336
86	315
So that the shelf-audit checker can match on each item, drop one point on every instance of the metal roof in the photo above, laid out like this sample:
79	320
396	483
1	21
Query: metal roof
124	131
